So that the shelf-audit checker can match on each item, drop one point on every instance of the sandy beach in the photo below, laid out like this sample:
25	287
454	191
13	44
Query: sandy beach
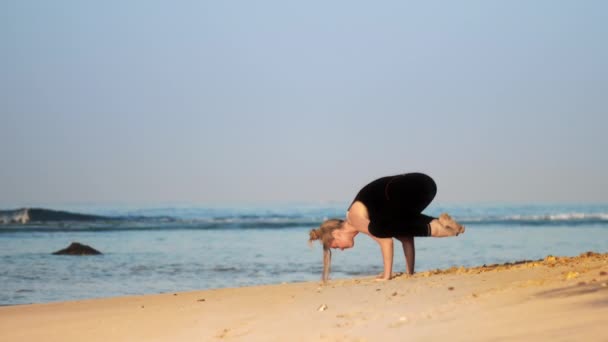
557	299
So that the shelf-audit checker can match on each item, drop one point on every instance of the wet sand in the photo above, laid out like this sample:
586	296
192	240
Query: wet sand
557	299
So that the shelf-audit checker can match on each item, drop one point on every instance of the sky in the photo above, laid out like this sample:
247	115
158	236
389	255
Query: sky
277	101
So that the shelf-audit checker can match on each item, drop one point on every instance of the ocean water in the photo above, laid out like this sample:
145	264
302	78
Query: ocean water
180	248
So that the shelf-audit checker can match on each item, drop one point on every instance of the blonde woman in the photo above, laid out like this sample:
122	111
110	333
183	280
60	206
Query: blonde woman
389	207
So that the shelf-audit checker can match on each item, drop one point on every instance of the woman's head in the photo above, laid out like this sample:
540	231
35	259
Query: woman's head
329	235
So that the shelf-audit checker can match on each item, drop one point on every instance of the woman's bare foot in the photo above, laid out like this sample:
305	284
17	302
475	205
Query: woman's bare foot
445	226
448	222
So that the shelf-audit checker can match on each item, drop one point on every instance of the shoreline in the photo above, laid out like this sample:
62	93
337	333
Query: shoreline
555	297
396	275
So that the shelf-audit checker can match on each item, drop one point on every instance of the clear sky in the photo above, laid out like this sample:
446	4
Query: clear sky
246	101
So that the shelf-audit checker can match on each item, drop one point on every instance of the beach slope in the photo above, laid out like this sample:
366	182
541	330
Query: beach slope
556	299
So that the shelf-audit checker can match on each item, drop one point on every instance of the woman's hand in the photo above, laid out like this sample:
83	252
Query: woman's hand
382	277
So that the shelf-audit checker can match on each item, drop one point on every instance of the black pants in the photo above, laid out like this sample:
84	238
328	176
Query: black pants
399	202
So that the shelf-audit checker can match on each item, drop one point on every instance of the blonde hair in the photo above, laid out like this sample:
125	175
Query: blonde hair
324	234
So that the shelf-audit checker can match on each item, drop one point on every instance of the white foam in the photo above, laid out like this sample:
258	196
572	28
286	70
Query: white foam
15	216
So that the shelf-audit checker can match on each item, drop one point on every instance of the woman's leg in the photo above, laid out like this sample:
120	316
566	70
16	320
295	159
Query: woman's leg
423	225
410	193
407	196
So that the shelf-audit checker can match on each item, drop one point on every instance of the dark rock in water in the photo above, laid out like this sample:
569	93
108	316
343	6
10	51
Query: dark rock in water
78	249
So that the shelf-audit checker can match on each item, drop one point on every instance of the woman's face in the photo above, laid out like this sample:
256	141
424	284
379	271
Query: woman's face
341	241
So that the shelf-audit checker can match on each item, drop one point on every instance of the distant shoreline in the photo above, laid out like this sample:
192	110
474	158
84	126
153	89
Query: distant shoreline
296	216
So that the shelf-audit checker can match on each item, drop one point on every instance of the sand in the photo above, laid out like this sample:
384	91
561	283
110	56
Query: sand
555	299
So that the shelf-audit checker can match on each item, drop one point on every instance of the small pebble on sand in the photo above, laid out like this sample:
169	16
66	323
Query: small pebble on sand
323	307
571	275
451	288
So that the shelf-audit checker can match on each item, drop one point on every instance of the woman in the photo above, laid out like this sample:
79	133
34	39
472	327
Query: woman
387	208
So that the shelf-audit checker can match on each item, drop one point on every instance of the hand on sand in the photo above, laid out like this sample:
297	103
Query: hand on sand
381	277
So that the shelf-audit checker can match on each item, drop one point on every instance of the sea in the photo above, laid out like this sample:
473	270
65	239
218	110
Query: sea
171	248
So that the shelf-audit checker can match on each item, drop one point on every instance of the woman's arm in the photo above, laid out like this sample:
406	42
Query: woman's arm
386	247
409	251
357	218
